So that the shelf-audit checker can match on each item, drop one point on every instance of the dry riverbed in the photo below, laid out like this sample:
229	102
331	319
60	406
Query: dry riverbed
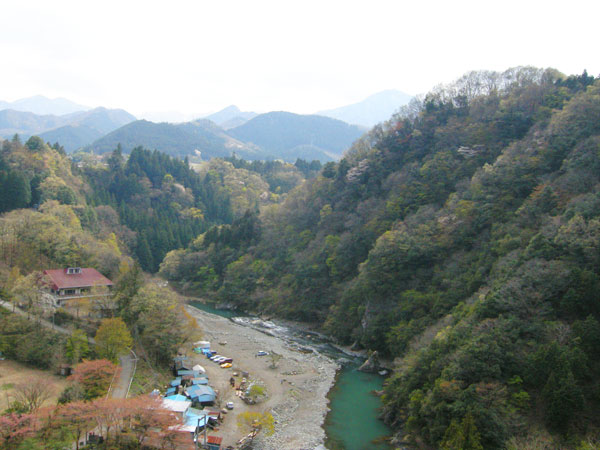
296	389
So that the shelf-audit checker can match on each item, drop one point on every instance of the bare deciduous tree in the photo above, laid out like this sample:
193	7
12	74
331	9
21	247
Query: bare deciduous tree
32	394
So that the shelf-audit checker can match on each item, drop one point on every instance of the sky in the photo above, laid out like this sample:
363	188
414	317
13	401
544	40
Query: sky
302	56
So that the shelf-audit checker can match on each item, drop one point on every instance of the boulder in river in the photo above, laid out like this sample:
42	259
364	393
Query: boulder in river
371	365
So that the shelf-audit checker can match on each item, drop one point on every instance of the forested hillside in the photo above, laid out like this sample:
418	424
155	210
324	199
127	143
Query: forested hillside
161	199
47	222
179	140
461	239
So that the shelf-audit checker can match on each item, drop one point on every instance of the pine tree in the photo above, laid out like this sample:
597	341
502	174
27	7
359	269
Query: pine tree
463	436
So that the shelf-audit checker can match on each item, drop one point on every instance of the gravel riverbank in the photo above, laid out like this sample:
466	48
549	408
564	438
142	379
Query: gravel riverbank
296	390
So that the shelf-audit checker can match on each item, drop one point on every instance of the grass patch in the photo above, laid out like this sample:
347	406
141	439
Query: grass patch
147	378
13	373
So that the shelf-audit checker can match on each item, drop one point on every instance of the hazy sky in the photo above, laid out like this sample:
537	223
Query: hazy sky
301	56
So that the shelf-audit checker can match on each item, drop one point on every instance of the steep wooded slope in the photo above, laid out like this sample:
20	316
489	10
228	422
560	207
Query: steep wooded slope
461	237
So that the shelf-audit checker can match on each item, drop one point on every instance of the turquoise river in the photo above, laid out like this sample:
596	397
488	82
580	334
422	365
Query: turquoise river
352	423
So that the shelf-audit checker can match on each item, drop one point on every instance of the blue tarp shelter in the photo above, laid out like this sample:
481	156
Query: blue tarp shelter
177	398
200	380
202	394
193	419
183	372
170	391
176	382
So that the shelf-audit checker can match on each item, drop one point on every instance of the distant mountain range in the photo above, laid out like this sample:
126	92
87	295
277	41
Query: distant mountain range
290	136
275	135
200	137
72	131
372	110
230	117
87	126
38	104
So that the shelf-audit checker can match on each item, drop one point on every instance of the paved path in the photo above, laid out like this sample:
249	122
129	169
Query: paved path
120	386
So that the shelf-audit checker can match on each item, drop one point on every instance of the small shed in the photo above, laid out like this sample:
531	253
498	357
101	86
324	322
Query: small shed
201	394
64	369
176	382
182	365
214	442
200	380
177	406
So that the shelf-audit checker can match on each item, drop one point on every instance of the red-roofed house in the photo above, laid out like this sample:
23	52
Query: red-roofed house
77	282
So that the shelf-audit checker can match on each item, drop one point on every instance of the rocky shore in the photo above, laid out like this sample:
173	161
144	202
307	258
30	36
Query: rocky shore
296	389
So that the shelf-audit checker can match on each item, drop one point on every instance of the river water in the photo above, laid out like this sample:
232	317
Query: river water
352	423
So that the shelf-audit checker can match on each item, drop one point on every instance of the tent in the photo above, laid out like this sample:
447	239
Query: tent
199	368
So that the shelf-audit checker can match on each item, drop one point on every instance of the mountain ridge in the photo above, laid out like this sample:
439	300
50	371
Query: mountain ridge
41	105
372	110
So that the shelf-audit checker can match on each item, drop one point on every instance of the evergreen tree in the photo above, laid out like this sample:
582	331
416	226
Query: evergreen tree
463	436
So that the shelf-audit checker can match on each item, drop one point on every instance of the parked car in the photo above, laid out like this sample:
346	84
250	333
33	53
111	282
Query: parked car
229	405
214	358
226	365
262	353
220	359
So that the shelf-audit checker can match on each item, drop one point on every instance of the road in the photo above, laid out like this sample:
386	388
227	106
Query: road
120	386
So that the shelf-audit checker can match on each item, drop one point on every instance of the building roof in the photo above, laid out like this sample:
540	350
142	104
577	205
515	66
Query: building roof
214	440
88	277
176	405
202	393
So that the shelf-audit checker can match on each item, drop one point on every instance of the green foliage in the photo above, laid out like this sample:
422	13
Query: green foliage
23	341
463	436
462	237
76	346
112	339
160	198
15	190
563	399
159	322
